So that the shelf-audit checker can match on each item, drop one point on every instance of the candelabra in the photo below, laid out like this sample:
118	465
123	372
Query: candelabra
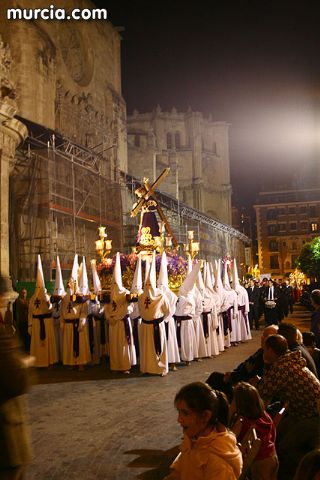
191	248
103	246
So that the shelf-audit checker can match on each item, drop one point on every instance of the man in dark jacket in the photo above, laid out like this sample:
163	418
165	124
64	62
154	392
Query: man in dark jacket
254	297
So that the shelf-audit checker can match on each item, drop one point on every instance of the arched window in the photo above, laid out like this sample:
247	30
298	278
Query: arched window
169	140
177	140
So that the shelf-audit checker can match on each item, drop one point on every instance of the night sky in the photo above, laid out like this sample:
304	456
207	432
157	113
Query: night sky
253	64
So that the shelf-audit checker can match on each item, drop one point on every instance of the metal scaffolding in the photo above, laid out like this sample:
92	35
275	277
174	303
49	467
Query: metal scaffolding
61	192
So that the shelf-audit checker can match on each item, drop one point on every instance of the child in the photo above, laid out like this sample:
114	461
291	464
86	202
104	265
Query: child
209	450
250	407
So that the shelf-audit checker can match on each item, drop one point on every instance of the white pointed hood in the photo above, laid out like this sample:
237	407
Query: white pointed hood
226	283
189	270
163	274
74	275
117	288
219	285
59	289
189	281
151	302
95	277
207	278
83	281
200	283
40	301
40	285
137	278
212	274
150	282
235	276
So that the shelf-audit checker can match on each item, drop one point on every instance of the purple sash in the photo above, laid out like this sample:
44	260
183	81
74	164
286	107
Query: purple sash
127	328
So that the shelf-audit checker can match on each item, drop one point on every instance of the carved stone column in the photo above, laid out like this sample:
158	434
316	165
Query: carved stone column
12	132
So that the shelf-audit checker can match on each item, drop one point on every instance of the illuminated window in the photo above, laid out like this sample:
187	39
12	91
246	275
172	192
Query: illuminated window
314	227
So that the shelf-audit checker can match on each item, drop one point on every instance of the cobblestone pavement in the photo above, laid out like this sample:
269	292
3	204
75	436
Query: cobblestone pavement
83	424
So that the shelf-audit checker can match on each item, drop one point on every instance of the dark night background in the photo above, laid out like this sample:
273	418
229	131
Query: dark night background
253	64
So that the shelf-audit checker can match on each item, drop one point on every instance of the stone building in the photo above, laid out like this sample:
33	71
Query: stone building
67	79
286	219
71	174
195	148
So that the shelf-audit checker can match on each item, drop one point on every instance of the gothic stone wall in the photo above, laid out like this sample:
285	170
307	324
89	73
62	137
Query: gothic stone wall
196	149
68	75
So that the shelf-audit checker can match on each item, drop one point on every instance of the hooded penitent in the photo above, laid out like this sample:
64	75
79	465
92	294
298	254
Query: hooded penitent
151	299
74	284
186	305
136	287
83	282
95	278
40	300
59	289
226	282
118	307
40	324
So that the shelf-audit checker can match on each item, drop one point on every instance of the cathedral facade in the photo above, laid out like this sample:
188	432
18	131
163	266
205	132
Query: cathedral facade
195	148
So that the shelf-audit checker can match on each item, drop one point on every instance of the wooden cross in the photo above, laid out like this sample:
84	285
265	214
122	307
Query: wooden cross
148	191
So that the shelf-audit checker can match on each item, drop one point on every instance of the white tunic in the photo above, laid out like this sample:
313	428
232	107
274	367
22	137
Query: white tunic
243	302
185	308
203	344
172	342
121	343
153	308
71	315
44	350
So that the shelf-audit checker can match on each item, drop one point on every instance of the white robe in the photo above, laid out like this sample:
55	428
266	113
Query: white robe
150	361
122	350
231	300
44	351
186	307
99	349
172	342
71	311
243	301
209	306
203	344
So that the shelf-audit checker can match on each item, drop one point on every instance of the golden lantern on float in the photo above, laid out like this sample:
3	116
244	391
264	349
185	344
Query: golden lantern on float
191	248
103	245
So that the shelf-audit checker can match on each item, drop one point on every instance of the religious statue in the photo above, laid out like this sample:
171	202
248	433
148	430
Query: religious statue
149	236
